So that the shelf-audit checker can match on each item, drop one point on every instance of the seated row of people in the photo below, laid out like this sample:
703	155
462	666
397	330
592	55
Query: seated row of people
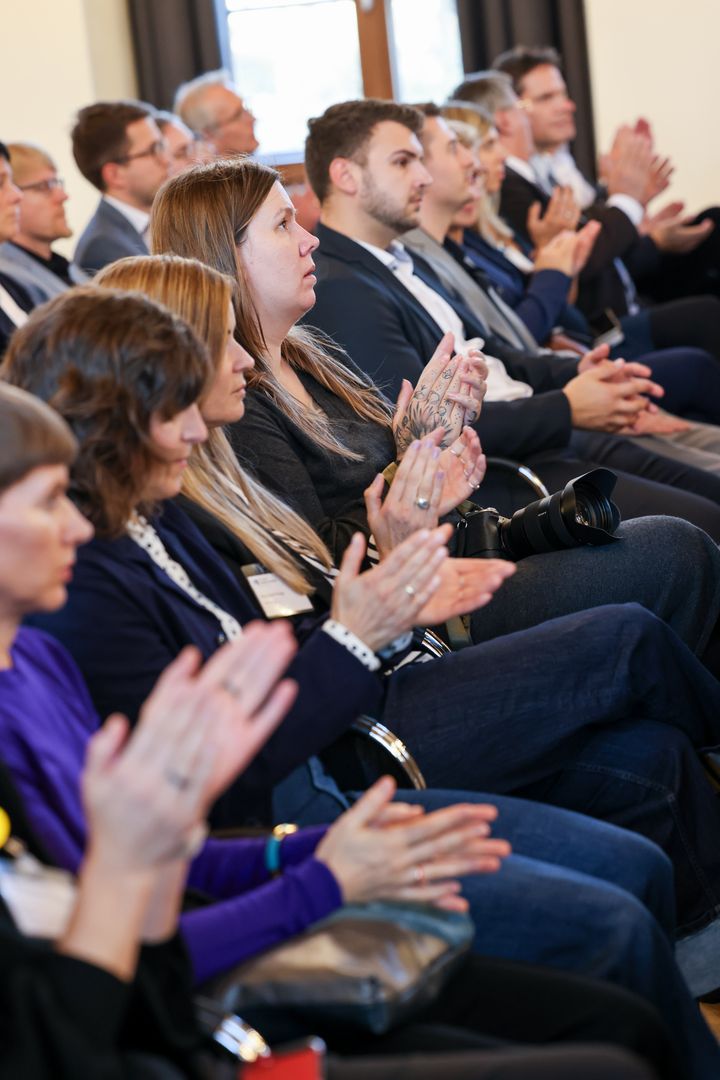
145	795
128	382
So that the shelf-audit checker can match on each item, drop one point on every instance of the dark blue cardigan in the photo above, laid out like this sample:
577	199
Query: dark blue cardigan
125	620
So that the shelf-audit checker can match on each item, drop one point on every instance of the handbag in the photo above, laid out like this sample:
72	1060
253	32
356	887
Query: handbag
370	966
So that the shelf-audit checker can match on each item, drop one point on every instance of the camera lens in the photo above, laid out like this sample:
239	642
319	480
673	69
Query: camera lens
582	513
593	509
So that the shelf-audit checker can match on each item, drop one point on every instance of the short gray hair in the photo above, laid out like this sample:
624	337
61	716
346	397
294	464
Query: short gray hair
190	103
492	90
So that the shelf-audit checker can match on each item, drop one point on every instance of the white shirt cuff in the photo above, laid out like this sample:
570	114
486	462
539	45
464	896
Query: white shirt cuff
352	643
630	207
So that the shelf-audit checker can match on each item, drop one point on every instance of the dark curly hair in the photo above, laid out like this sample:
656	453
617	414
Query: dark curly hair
107	361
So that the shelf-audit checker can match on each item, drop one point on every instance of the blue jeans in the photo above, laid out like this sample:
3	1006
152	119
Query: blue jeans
600	712
576	894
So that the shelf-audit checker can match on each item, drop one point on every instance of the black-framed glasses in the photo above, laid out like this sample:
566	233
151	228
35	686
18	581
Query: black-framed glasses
45	187
157	150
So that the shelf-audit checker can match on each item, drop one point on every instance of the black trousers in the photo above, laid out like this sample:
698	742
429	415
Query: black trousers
647	483
490	1005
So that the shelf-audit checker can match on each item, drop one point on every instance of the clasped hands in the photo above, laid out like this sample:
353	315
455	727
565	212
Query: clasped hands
614	395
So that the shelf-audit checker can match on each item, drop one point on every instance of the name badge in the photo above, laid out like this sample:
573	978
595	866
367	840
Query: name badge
277	600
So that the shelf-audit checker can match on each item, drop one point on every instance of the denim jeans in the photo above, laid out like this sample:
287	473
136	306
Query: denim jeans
599	712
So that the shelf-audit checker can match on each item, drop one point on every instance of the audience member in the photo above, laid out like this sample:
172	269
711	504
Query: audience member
183	149
15	301
118	147
29	258
211	107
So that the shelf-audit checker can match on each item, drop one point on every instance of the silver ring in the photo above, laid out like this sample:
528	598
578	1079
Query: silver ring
410	590
178	780
419	875
422	503
232	689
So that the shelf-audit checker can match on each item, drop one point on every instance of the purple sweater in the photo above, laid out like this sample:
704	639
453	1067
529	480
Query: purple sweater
46	720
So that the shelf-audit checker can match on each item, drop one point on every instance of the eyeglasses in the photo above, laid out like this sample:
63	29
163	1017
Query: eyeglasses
45	187
157	150
239	113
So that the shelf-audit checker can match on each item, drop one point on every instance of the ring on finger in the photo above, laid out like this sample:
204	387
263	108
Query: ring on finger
410	590
422	503
232	688
177	779
419	875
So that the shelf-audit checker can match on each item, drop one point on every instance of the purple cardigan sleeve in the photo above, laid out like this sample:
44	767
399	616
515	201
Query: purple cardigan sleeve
225	868
226	933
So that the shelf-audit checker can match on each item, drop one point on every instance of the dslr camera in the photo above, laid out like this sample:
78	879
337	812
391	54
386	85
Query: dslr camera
582	513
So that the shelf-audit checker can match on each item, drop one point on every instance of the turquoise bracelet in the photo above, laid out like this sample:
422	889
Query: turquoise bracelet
272	847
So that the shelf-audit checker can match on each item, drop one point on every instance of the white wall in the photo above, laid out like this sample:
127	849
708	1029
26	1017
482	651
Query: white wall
659	59
58	55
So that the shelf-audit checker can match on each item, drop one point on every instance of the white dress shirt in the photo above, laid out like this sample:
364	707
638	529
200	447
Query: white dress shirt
500	385
12	309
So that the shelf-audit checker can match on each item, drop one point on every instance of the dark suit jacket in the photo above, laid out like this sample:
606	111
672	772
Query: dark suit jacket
125	620
390	335
108	236
600	284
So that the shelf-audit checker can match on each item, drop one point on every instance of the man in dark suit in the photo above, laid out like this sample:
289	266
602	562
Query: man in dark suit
685	250
622	259
118	147
364	162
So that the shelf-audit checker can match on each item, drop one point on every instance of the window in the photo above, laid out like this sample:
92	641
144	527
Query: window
293	58
427	58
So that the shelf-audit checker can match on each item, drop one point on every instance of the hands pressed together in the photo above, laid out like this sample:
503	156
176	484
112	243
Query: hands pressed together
146	793
448	395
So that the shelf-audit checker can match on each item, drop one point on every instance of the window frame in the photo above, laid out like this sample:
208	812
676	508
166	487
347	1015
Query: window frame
376	48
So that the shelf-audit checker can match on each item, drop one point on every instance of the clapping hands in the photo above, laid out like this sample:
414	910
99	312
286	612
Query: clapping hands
397	852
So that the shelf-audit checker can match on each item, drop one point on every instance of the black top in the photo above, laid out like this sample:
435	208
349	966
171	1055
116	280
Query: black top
325	488
57	264
64	1018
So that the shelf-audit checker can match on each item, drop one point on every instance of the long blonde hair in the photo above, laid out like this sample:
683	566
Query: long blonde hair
214	479
204	213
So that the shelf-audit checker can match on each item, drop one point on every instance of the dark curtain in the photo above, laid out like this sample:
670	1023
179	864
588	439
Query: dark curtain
489	27
173	40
